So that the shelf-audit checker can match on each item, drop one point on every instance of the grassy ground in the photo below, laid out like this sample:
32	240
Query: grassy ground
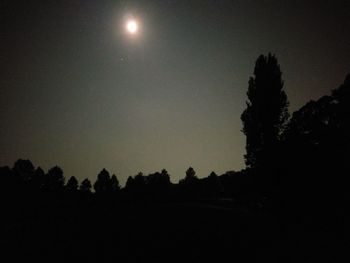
172	232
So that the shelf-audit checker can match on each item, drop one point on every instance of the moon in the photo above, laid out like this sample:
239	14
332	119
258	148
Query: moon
132	27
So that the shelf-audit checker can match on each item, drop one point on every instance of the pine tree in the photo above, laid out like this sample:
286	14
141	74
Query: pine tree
72	184
190	177
103	182
115	186
55	179
85	186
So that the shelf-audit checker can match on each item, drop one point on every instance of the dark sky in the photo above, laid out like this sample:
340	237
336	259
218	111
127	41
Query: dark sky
77	91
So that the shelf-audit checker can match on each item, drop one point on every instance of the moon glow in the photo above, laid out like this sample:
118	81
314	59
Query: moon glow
132	27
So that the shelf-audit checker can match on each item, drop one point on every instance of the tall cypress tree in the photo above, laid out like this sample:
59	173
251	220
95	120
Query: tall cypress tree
266	112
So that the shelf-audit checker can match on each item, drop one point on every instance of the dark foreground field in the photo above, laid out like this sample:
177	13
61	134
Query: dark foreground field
164	232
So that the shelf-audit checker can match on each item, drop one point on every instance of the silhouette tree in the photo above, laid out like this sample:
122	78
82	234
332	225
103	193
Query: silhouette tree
323	124
136	186
190	177
140	180
317	140
24	170
266	112
129	183
165	177
342	122
158	184
115	186
189	186
55	179
158	180
215	188
342	111
103	182
72	184
85	186
38	179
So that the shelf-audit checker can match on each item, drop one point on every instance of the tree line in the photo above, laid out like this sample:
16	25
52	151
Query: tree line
297	158
23	177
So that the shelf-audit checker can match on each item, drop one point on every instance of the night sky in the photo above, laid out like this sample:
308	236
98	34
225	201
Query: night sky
77	91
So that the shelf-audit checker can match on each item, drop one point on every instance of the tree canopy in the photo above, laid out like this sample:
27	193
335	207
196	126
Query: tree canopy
266	112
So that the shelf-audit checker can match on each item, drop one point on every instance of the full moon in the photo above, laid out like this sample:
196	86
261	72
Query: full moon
132	26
